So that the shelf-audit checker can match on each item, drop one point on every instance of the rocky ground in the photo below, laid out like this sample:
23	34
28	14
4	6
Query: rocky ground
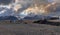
29	29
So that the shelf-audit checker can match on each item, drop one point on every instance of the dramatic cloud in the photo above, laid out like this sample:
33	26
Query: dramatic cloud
58	1
20	6
5	1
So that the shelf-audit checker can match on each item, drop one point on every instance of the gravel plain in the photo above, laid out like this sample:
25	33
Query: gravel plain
29	29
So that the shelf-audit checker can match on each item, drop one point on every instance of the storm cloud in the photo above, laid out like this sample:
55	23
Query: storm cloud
5	2
25	4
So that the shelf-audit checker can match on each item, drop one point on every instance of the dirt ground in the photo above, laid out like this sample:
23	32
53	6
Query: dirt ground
29	29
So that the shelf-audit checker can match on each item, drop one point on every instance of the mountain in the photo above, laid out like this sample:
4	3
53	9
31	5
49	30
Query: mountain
36	17
8	18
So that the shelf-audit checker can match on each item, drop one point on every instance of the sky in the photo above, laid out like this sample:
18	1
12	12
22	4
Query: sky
5	1
9	1
24	4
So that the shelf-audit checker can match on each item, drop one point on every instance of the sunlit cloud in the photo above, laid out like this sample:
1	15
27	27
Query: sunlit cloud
26	7
2	11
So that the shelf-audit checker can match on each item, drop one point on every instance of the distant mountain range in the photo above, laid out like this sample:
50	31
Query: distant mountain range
36	17
8	18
